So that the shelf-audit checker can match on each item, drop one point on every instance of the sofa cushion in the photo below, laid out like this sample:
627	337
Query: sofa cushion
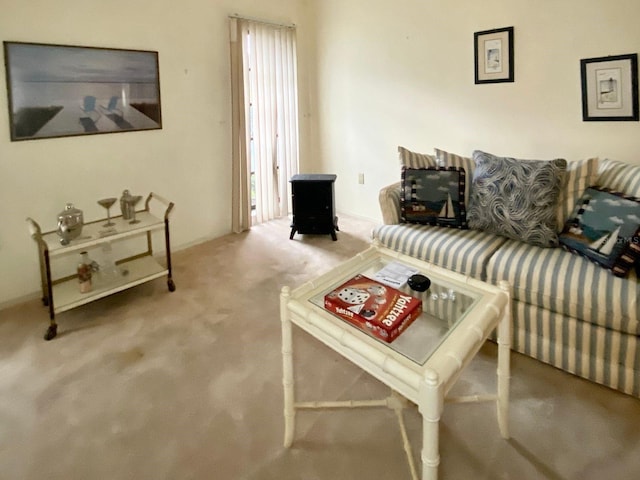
463	251
448	159
515	198
579	176
434	196
389	200
602	355
605	227
569	284
619	176
415	160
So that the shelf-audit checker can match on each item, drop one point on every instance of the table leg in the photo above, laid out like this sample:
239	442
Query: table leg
504	368
287	369
52	331
398	403
430	406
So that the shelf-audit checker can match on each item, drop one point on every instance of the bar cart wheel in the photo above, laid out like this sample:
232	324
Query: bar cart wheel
52	331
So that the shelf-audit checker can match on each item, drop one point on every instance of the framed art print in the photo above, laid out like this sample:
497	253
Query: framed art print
63	90
493	55
610	88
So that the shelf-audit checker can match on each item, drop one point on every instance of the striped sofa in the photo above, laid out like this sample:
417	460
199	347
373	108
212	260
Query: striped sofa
567	311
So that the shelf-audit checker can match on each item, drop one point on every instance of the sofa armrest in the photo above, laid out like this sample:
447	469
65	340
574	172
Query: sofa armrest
389	198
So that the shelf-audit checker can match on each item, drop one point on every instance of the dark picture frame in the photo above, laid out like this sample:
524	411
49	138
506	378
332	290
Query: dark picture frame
66	90
610	88
493	55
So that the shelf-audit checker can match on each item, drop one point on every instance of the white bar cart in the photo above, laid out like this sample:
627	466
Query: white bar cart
61	293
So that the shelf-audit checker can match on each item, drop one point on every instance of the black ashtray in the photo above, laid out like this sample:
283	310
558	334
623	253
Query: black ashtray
419	283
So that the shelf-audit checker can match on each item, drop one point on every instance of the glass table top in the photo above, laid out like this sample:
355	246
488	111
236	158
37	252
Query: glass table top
444	304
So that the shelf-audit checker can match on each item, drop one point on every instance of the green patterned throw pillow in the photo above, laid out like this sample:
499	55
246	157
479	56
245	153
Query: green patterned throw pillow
605	228
448	159
580	175
433	196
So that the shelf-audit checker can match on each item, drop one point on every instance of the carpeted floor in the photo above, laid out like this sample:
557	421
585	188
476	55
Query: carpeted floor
148	384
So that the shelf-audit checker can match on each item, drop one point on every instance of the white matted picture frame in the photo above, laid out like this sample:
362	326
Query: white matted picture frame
610	88
493	55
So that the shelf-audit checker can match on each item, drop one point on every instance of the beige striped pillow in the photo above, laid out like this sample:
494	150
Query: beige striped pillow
411	159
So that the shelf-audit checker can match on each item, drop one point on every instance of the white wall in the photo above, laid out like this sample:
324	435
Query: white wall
400	72
188	161
384	73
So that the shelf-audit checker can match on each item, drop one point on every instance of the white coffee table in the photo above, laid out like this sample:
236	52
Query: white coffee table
423	363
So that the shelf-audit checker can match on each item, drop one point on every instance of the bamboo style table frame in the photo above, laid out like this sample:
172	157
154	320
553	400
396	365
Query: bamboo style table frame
61	294
425	385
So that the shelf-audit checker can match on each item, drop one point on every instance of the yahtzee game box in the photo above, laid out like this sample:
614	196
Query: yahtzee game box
384	311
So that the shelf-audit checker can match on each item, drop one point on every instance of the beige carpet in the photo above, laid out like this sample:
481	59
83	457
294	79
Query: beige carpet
149	384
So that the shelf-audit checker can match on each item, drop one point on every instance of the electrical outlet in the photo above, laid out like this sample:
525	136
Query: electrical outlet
361	178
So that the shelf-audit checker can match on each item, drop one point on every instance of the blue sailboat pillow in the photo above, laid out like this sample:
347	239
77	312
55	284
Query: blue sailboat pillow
605	227
434	196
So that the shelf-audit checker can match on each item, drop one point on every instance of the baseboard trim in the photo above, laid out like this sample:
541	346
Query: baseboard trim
21	299
37	294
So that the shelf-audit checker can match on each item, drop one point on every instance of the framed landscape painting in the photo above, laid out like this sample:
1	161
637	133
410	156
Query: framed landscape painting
62	90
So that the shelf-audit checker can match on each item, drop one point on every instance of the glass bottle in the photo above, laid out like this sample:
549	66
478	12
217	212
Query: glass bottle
109	270
84	273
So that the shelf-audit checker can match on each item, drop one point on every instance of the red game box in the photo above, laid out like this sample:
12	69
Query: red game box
370	305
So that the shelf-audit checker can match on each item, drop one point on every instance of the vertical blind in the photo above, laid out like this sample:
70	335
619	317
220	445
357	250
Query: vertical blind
265	119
